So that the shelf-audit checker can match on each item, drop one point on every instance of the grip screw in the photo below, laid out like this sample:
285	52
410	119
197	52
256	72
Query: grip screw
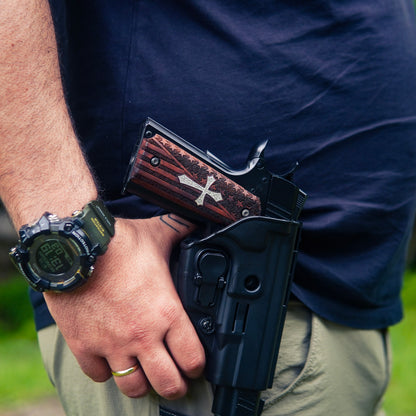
154	161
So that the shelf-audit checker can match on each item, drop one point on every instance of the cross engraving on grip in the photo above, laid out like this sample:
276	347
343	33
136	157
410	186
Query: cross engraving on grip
216	196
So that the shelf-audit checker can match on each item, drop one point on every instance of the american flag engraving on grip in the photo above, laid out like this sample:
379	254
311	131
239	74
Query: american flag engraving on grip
167	170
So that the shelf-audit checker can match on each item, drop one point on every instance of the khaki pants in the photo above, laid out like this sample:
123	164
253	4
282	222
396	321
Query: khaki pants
323	369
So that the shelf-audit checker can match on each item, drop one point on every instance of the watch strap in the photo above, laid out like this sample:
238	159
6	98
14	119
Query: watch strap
98	224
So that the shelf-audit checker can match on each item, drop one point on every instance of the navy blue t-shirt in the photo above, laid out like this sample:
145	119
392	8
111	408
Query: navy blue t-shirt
331	84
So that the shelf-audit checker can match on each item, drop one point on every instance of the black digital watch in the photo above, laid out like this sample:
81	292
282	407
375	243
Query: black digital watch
58	254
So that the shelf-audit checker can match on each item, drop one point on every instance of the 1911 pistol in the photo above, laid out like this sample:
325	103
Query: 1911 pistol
175	175
235	282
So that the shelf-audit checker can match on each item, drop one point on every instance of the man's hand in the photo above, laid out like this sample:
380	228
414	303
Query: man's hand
129	312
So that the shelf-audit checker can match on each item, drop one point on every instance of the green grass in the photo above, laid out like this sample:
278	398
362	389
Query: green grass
15	310
22	376
23	379
401	394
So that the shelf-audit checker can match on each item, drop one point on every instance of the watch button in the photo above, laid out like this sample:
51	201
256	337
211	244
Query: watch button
90	271
92	259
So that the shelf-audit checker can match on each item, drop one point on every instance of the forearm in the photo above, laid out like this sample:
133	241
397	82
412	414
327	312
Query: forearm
41	165
129	310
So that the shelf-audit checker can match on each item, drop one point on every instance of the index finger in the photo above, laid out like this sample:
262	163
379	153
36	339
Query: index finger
186	348
162	372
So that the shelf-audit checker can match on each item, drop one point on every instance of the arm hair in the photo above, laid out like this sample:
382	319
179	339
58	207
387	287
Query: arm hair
42	167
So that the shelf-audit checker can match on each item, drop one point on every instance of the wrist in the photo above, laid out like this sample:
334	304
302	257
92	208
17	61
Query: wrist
26	210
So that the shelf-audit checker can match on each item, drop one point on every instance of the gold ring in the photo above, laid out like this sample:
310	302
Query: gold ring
125	372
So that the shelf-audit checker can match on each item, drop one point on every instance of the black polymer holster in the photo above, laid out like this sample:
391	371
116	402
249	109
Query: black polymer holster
235	286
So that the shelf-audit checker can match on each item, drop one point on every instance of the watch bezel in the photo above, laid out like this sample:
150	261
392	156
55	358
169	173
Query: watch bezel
87	232
66	230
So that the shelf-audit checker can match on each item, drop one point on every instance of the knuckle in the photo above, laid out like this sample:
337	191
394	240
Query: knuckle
100	377
169	311
193	361
134	385
194	366
143	339
97	374
173	391
136	334
137	391
78	347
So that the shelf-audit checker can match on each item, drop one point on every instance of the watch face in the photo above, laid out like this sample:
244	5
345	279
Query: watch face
54	258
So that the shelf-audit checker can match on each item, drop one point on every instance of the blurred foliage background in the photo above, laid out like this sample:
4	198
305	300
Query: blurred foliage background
22	376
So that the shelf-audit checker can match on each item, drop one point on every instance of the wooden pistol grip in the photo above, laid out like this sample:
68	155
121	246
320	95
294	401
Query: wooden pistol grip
169	176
